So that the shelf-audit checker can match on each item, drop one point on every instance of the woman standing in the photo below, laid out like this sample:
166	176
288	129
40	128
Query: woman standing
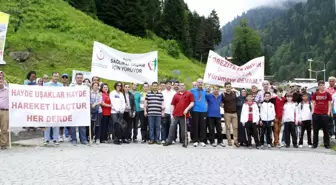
106	113
241	129
119	105
96	111
30	79
39	82
129	113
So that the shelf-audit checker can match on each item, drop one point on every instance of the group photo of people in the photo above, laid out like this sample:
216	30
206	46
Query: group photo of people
168	113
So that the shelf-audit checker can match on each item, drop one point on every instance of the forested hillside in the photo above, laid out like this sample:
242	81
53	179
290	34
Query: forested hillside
257	18
306	31
60	38
169	19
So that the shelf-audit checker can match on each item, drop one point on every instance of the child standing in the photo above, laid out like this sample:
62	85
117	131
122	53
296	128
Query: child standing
304	119
267	116
249	118
289	119
279	102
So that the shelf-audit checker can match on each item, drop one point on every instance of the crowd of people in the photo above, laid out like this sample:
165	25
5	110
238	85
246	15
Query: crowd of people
164	111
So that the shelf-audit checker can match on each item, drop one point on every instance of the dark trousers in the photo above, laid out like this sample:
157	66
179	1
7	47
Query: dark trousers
215	123
261	136
251	130
290	131
104	128
95	126
144	126
165	124
331	127
173	126
198	126
321	122
135	122
178	125
267	129
306	126
129	121
241	134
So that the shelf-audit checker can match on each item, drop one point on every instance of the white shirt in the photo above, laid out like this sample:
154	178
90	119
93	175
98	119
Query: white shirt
289	113
245	113
305	113
118	102
267	111
168	97
334	103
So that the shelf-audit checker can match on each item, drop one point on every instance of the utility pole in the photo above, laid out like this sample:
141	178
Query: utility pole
310	66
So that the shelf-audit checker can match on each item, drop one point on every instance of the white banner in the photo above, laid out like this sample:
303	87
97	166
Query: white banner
86	74
115	65
4	19
219	70
38	106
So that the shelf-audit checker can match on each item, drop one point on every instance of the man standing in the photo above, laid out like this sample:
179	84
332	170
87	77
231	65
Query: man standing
168	95
214	116
65	80
129	113
82	130
4	106
154	109
321	112
54	83
143	118
331	90
199	114
229	100
176	86
260	96
181	104
162	86
138	111
194	84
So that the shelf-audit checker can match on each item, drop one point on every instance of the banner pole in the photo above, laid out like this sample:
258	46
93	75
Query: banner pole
90	138
9	138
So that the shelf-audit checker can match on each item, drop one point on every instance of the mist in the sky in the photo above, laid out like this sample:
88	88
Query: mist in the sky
280	3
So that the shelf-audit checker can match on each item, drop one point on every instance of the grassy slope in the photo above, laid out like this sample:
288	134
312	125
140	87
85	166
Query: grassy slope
61	39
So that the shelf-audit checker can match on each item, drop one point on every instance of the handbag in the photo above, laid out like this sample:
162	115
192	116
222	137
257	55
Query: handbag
120	126
95	109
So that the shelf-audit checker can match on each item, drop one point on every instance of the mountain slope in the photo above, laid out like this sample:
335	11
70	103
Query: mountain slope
60	38
305	31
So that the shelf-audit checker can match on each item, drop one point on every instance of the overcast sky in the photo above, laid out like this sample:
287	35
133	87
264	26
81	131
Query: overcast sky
226	9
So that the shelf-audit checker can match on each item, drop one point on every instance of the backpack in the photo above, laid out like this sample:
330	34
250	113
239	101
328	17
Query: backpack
310	107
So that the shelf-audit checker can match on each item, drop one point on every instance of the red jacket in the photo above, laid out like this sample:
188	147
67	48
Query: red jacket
278	105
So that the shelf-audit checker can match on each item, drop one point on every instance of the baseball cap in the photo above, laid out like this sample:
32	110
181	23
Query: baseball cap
65	75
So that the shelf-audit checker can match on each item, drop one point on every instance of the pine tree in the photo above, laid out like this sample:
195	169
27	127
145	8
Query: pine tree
246	44
111	12
134	18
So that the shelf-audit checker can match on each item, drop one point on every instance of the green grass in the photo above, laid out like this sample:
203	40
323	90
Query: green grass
61	39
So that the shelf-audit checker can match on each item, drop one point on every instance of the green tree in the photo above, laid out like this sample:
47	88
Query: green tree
134	18
111	12
246	44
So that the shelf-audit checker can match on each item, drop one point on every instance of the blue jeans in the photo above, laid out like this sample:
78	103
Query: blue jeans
55	134
283	138
154	127
82	134
166	121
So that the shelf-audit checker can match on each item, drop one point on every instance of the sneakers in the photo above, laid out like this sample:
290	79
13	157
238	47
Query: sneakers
45	143
173	142
203	144
98	141
310	146
230	143
222	144
56	143
283	144
214	144
61	139
300	146
269	146
196	144
135	141
150	142
163	142
143	141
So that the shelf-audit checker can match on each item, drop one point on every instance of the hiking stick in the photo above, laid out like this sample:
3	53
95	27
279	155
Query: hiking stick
185	132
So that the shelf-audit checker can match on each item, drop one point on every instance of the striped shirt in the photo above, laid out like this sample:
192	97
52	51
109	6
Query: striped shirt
154	103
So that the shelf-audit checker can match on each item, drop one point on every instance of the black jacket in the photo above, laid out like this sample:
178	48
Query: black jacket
132	101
